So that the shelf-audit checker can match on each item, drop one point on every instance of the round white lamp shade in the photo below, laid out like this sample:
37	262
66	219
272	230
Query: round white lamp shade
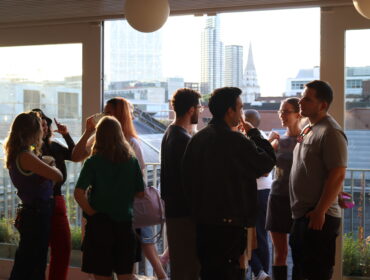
363	7
146	15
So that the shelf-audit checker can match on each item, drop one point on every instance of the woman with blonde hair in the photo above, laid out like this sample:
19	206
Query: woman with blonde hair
115	178
121	109
34	178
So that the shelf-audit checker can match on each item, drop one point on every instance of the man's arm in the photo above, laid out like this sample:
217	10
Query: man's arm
333	186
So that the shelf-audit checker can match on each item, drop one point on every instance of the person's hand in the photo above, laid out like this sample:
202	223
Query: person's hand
317	219
345	200
49	160
90	212
274	135
61	128
90	124
246	126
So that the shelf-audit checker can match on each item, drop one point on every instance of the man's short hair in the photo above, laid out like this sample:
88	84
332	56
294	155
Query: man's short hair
324	92
253	116
222	99
183	99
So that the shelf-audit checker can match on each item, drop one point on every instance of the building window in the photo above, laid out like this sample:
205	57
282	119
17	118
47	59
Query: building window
31	99
67	105
143	95
354	84
298	85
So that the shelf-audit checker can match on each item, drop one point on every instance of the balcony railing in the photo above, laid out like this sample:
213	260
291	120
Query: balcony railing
9	199
356	220
357	183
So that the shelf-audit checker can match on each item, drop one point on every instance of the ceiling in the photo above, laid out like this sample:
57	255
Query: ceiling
26	12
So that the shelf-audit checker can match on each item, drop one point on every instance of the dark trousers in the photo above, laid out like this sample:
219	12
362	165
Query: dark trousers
33	223
261	255
313	251
60	241
219	249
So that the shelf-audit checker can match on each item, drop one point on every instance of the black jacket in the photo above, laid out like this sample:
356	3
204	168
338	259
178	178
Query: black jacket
173	147
60	153
220	168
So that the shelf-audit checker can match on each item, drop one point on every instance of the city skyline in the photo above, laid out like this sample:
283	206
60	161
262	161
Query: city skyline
280	57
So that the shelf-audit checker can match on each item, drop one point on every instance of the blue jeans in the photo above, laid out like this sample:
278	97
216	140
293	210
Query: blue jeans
261	255
33	223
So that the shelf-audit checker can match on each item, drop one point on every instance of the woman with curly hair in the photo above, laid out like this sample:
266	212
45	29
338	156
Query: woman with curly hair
34	178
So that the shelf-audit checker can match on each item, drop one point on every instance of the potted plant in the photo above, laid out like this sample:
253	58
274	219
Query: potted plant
356	257
9	238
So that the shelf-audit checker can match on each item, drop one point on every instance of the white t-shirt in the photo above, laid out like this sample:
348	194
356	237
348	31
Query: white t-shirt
138	151
264	183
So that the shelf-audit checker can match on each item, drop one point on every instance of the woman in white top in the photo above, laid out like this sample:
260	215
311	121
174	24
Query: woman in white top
121	109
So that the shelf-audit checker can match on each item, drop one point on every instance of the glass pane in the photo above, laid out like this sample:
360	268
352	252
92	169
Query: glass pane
48	77
356	252
262	53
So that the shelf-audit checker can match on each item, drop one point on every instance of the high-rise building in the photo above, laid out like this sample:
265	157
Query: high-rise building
233	74
251	88
211	56
132	55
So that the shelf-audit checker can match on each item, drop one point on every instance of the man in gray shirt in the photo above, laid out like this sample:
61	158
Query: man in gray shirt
318	171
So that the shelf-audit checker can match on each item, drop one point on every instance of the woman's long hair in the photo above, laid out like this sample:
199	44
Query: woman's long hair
25	132
46	138
122	109
110	141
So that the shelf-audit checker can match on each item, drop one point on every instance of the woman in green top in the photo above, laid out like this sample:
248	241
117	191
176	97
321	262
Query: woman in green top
115	178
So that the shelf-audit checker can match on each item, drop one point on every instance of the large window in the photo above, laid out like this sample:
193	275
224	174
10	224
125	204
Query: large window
48	77
254	51
356	248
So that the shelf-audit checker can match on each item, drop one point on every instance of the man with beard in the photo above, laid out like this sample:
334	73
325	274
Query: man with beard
316	178
180	229
220	169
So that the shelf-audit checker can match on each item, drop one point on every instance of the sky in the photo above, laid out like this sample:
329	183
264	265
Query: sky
283	41
277	38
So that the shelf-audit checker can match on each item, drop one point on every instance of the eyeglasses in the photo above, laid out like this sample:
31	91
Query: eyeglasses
304	133
285	112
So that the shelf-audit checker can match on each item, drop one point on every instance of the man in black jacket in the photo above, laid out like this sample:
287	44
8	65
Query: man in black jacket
180	228
220	168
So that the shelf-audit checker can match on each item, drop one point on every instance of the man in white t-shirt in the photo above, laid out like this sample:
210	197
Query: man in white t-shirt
260	261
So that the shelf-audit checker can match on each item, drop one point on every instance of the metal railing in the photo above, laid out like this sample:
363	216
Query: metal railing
356	220
357	183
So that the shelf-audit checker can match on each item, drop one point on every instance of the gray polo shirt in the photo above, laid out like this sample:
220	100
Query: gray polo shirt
323	148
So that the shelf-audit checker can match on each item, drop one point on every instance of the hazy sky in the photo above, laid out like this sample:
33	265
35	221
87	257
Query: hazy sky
278	39
283	41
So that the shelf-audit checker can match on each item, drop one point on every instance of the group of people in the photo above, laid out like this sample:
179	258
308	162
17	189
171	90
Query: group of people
110	179
215	185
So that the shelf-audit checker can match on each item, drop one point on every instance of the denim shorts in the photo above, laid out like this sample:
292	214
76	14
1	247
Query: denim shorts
147	234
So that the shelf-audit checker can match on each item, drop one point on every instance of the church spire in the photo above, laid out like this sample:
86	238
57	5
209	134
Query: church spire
250	63
251	88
